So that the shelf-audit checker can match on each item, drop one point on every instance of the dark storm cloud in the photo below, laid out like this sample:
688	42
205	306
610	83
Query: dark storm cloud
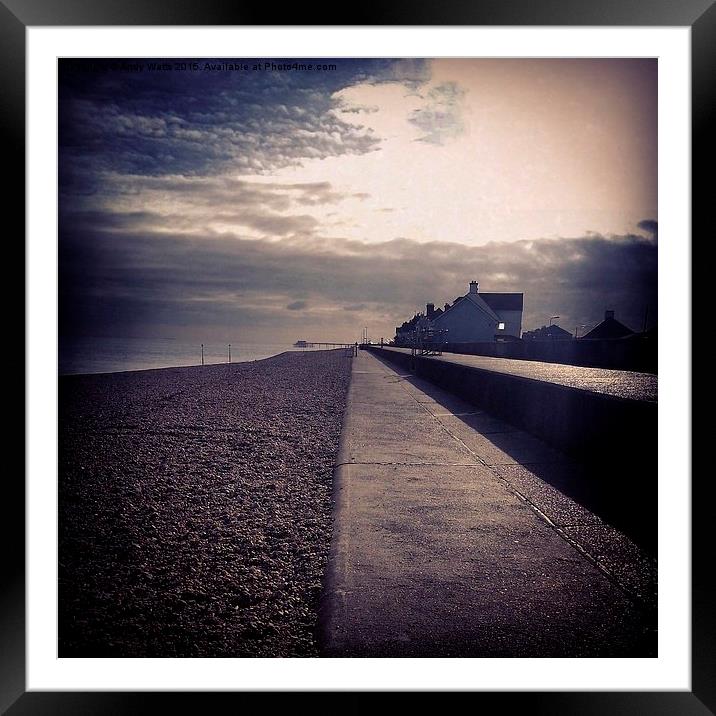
197	123
118	221
212	191
195	203
129	281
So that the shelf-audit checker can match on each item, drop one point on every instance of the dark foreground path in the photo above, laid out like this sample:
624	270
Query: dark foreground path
448	542
195	507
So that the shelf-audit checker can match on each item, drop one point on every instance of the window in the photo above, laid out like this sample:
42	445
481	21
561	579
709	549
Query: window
500	326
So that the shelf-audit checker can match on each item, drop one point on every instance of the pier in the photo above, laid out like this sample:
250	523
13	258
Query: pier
322	344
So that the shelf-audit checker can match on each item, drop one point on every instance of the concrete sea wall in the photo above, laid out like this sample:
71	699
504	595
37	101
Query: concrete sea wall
633	353
616	438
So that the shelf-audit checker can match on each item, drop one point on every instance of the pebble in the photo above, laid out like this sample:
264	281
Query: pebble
194	518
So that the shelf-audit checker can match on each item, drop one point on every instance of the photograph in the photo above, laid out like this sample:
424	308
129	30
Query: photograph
357	357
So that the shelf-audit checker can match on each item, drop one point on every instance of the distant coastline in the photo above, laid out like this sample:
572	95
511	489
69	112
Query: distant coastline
99	355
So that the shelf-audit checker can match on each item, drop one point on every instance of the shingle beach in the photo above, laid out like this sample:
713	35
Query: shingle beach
195	507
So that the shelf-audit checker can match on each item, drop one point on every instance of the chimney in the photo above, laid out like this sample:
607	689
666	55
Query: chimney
429	310
473	286
608	315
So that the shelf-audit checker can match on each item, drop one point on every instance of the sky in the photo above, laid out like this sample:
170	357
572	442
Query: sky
264	201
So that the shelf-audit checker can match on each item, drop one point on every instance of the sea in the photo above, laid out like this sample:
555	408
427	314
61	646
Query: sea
111	355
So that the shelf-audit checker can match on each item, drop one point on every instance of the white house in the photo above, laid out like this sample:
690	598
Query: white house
478	317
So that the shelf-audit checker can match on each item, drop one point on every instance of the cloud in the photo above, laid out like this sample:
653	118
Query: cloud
124	282
203	204
314	193
173	220
197	123
441	118
271	225
348	108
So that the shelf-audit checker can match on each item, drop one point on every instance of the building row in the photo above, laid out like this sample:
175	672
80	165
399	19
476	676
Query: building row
472	318
481	317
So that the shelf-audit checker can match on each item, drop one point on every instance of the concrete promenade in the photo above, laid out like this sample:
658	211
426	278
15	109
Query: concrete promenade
628	385
447	542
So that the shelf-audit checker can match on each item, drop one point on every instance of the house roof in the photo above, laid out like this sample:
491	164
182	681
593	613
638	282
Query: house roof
503	301
487	303
553	331
480	302
476	300
608	328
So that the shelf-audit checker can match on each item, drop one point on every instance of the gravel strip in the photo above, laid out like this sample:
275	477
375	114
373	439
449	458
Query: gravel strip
195	507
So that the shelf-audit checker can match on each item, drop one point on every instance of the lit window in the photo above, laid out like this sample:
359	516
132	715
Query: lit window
500	326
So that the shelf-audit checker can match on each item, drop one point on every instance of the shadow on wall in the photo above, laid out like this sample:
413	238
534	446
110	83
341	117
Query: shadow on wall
638	352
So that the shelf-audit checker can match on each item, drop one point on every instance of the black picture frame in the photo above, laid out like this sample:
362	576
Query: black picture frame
16	15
